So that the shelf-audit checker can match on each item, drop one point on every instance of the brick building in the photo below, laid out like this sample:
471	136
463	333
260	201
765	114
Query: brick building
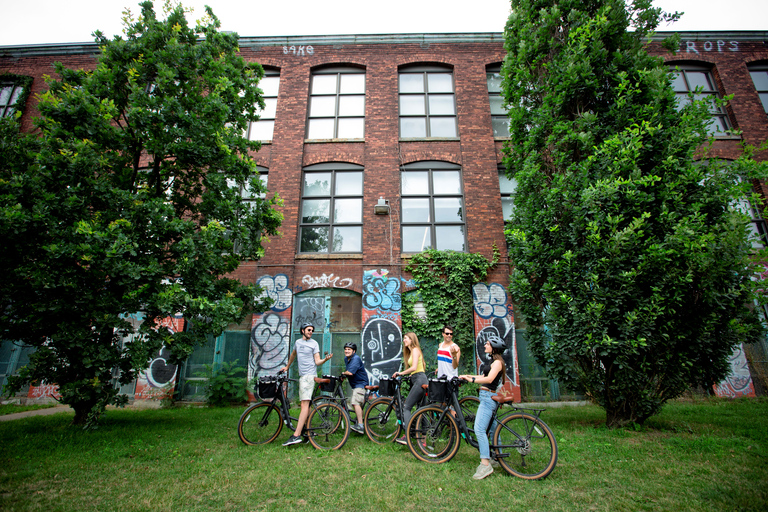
381	146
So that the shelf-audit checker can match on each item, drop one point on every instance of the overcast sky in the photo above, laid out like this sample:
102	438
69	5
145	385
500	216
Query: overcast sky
73	21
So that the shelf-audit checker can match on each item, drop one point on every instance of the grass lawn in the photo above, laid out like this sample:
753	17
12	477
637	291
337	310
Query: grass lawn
697	455
13	408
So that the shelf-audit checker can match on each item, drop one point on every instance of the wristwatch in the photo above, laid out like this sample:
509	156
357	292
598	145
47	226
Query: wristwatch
473	379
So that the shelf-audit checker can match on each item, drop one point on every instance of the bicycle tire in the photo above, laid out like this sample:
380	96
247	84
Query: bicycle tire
261	423
328	426
469	406
433	435
380	421
532	458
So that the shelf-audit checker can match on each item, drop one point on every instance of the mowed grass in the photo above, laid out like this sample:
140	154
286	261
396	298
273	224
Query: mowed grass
697	455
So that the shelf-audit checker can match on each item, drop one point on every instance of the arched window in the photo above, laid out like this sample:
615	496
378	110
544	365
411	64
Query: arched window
337	104
427	102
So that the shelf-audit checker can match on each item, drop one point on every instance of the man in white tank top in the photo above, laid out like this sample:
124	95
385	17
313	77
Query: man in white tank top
448	354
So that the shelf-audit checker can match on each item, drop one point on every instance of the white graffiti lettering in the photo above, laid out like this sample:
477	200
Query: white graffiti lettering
708	46
299	51
326	281
45	390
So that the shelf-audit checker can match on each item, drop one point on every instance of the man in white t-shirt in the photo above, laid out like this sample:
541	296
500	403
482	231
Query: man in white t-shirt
307	352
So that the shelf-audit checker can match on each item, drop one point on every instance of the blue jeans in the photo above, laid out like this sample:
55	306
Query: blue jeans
483	418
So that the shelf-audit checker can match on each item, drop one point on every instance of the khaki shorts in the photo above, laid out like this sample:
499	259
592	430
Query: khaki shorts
357	397
306	386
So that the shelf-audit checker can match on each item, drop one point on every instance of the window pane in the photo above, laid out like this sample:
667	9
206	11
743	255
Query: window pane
416	238
353	128
5	94
347	239
269	85
413	127
449	238
506	207
412	105
416	210
270	109
500	126
439	82
494	82
442	127
497	106
324	84
262	130
322	106
348	210
699	79
411	82
448	209
352	84
317	184
320	129
764	99
315	211
760	78
351	105
349	184
507	185
678	82
314	239
415	183
441	105
446	182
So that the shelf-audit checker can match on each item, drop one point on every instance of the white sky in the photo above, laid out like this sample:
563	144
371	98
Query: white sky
73	21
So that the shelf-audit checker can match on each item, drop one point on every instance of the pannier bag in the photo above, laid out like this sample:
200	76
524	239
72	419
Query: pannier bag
328	387
267	387
386	386
438	390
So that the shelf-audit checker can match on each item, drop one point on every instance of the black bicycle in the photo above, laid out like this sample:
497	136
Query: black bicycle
327	425
384	416
522	443
330	388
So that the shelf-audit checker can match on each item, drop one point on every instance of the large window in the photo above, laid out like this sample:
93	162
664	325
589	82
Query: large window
433	207
507	186
700	82
760	79
499	118
264	128
427	103
337	104
9	95
331	209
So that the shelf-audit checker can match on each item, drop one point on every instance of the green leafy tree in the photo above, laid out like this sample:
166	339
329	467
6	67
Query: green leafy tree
126	204
632	268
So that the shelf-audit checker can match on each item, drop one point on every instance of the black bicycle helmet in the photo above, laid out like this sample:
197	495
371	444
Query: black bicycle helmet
497	344
351	345
305	325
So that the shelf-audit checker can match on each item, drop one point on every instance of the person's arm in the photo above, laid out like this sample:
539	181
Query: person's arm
353	365
319	361
415	355
455	355
290	361
484	379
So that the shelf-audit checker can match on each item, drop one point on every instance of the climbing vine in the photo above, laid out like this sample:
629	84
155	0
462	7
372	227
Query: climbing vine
444	285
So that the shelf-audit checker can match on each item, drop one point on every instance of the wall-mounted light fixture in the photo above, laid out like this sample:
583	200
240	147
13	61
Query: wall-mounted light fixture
382	207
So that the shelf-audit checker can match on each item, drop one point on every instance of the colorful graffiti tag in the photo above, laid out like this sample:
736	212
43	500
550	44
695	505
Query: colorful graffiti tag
494	319
739	382
382	337
270	331
159	379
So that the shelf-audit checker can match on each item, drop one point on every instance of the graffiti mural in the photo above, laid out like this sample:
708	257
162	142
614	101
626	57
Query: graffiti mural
326	281
44	391
739	382
159	379
270	331
382	338
494	319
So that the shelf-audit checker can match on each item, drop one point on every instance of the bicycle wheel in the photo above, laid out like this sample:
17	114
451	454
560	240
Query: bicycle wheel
433	435
525	445
469	405
328	426
261	423
380	421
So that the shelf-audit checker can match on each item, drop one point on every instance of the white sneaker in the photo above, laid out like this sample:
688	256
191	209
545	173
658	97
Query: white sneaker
482	471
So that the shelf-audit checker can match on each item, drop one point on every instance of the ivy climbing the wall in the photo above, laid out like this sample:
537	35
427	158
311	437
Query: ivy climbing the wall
444	281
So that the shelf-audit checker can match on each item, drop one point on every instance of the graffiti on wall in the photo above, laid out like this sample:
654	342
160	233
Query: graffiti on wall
494	320
382	335
44	390
739	381
326	281
270	331
158	380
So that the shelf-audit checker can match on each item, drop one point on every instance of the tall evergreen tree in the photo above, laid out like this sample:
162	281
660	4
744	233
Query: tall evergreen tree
128	202
632	269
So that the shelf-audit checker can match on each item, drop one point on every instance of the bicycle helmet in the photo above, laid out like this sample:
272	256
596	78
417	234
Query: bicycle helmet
497	344
304	326
351	345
